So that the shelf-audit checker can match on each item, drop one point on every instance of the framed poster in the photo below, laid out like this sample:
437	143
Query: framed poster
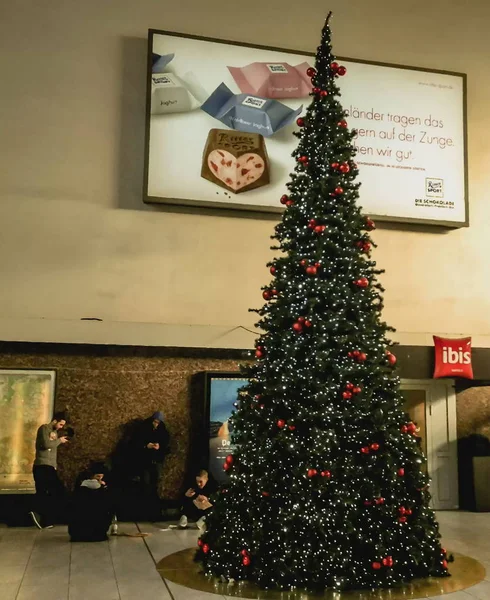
221	391
26	403
206	96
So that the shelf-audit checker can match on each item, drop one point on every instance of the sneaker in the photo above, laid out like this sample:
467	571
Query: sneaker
183	522
201	524
36	519
49	527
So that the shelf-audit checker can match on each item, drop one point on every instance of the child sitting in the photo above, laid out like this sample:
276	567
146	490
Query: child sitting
196	502
92	510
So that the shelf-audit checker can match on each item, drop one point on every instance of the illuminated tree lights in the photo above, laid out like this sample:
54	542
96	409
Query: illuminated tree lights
325	488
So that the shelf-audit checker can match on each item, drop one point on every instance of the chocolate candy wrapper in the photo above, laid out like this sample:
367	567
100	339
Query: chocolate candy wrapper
250	114
160	61
273	80
237	162
172	94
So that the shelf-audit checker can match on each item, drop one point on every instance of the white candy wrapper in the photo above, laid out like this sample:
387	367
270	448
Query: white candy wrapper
172	94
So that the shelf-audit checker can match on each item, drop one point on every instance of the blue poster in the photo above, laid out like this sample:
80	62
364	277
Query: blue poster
223	393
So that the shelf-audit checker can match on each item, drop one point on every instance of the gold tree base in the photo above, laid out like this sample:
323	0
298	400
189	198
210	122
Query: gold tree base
180	568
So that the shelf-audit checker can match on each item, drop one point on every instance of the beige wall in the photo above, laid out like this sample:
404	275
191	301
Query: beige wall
76	240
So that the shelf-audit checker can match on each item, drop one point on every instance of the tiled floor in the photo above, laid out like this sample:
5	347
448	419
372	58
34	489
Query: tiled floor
42	565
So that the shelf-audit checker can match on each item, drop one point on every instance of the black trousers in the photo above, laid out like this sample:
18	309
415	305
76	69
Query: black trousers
50	494
150	478
190	510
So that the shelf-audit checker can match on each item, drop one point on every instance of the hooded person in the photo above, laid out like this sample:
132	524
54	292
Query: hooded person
153	447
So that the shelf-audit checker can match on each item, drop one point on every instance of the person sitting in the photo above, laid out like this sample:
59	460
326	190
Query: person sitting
196	503
92	510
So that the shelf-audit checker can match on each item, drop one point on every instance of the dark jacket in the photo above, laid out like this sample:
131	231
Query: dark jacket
92	513
148	434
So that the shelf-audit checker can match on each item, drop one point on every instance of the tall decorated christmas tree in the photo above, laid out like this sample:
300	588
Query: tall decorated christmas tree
325	488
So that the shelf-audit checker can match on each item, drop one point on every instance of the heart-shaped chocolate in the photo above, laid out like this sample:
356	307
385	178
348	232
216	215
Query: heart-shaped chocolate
236	173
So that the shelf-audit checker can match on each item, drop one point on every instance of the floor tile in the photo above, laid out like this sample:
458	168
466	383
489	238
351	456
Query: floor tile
480	591
11	574
49	577
41	592
9	591
91	589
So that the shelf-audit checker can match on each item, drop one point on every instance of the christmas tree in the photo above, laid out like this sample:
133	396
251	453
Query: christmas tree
325	488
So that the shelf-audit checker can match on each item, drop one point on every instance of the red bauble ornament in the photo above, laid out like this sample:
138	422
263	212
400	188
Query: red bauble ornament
259	353
290	203
303	262
349	386
388	561
401	472
311	270
308	323
404	429
402	510
229	459
298	327
370	224
311	72
334	66
319	229
273	270
326	474
292	427
409	512
312	473
244	552
362	356
284	199
444	563
344	168
356	390
316	90
301	319
226	466
443	550
375	447
338	190
266	295
376	566
281	423
246	561
350	354
199	543
367	503
300	122
205	548
342	123
347	395
265	494
411	427
365	450
335	165
323	93
402	519
366	247
303	159
391	358
341	71
363	282
356	353
312	223
380	501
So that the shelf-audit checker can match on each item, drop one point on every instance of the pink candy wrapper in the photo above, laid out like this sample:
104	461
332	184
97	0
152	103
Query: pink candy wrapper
273	80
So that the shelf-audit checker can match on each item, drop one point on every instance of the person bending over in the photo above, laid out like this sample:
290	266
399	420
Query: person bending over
196	503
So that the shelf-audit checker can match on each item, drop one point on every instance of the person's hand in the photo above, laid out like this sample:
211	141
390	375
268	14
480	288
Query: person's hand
150	446
202	498
103	483
190	492
156	446
63	439
53	435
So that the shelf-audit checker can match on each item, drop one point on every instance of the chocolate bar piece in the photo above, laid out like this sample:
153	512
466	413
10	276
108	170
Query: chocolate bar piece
160	61
171	94
250	114
235	161
273	80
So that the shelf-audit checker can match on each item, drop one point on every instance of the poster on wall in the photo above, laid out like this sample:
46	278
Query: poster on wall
222	393
26	403
220	118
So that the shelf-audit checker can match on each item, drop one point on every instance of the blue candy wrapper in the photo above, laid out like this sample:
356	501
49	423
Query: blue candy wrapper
251	114
160	61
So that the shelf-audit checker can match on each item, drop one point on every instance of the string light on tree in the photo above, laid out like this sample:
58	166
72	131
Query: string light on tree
325	486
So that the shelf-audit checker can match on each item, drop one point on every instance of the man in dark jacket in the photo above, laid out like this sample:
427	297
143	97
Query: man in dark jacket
153	447
49	489
196	503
